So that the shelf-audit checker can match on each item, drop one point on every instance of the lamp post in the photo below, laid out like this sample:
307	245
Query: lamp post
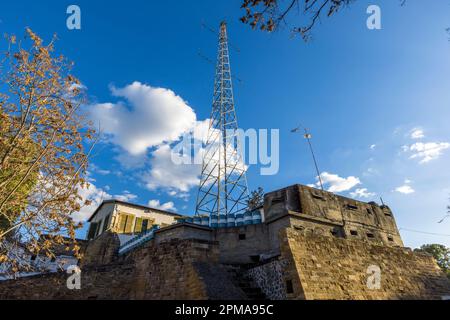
308	137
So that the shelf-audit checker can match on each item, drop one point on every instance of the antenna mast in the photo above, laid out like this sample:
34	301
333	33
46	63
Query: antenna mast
223	189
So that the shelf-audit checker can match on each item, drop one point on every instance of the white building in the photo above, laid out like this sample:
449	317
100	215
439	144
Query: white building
126	219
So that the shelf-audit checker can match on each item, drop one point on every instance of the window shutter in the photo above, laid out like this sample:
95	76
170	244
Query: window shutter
92	229
129	223
122	222
138	225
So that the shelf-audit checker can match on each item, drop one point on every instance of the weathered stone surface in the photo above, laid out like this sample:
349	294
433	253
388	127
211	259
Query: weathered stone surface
317	267
165	271
333	215
333	268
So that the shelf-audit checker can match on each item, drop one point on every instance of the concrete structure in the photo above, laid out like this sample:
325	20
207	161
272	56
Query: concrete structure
312	245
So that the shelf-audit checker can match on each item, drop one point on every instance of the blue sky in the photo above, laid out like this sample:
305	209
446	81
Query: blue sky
363	93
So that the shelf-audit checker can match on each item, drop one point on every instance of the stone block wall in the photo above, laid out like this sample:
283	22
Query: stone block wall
335	214
269	278
164	271
242	245
319	267
102	251
309	266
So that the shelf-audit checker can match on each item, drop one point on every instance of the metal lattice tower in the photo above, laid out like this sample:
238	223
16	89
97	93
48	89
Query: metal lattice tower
223	186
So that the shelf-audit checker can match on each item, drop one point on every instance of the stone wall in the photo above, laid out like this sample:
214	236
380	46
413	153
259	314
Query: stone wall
165	271
309	266
242	245
333	214
269	278
102	251
321	267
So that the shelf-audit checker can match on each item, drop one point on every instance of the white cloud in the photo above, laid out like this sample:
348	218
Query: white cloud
177	171
145	127
93	194
362	193
338	184
371	172
165	206
426	152
126	196
200	130
417	133
181	195
405	189
164	173
373	146
99	170
149	117
129	161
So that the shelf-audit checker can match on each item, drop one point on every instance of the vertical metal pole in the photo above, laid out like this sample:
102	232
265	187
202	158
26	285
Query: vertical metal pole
308	137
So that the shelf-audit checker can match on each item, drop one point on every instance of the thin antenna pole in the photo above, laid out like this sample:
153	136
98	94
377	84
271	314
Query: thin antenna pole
308	137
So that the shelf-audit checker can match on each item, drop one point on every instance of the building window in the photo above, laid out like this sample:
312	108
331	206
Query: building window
144	225
289	287
351	207
242	236
370	235
138	225
98	229
353	232
106	222
277	200
129	224
391	239
141	225
125	223
92	230
33	257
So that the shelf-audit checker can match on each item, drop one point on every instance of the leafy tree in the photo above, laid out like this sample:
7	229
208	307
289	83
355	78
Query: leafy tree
42	155
269	15
441	253
256	199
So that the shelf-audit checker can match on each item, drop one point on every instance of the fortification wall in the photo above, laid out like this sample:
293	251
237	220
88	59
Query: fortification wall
309	266
170	270
333	214
321	267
